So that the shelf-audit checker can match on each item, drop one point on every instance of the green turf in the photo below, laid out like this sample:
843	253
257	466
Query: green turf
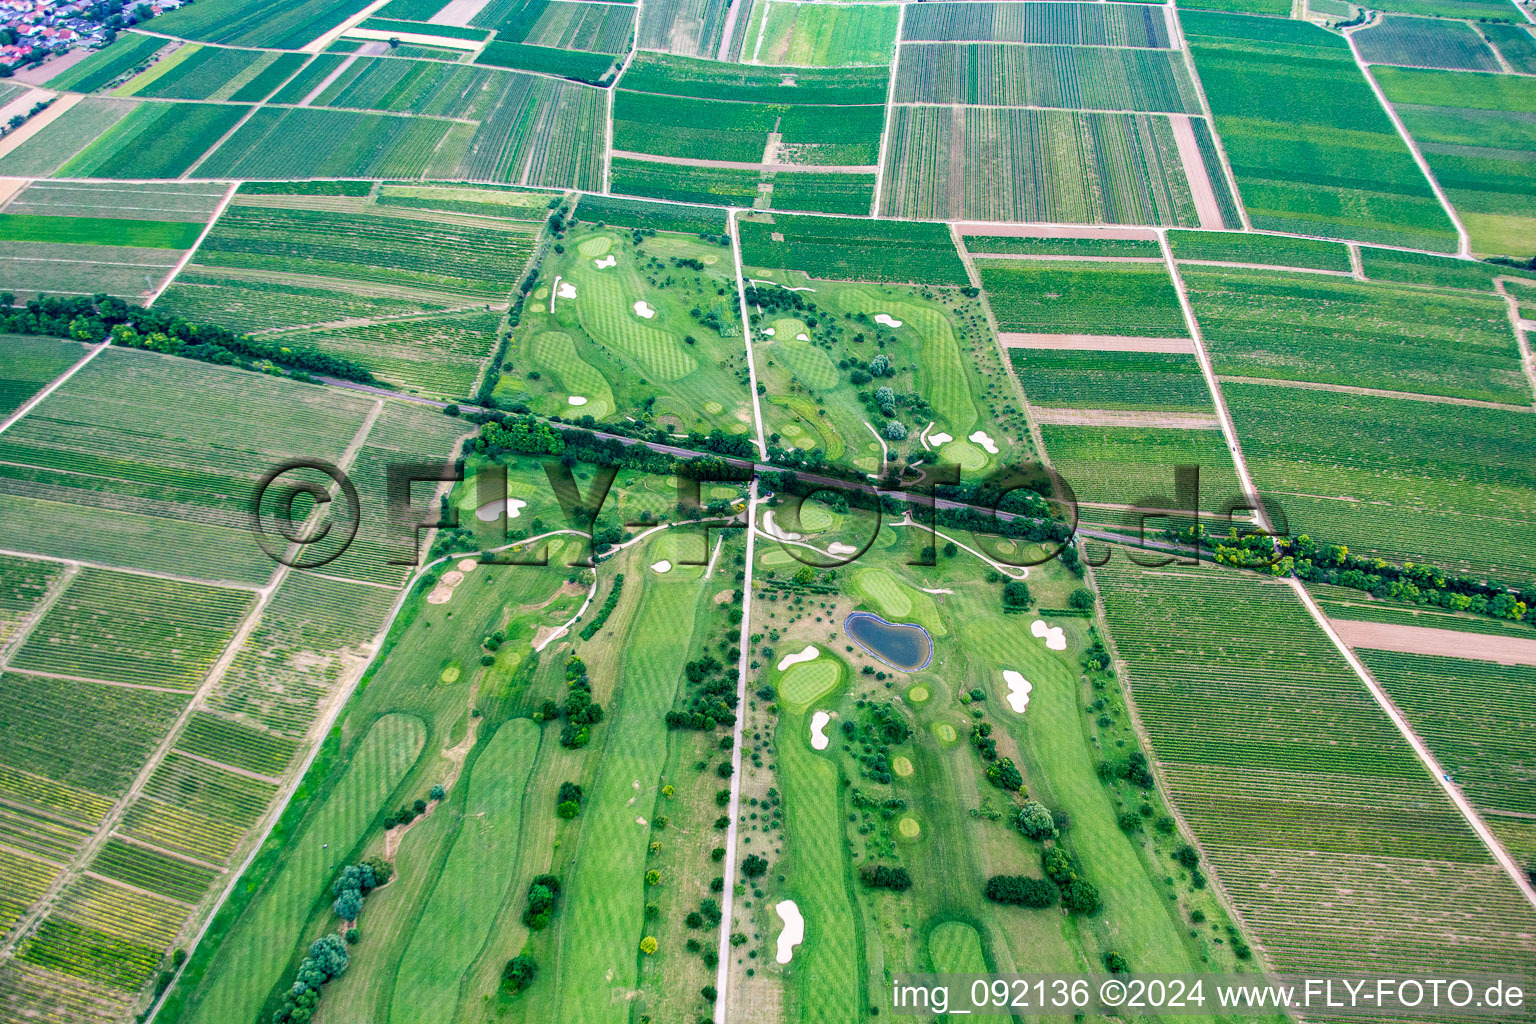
805	683
151	234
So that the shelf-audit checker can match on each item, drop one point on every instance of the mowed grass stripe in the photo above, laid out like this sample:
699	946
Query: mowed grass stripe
451	930
257	950
603	918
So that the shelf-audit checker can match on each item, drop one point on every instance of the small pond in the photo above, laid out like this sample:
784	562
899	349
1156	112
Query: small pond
900	645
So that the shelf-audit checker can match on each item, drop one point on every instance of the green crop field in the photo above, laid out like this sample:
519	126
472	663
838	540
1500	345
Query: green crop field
193	202
1022	245
1480	10
61	138
577	65
570	25
1347	174
1056	165
586	338
1083	24
160	498
149	234
1136	465
155	140
1075	77
196	72
1418	481
1426	43
269	23
1293	779
1473	715
300	265
700	220
852	250
787	190
1515	44
1261	250
1054	297
1475	131
832	36
433	355
109	64
31	363
1143	381
1436	271
1333	330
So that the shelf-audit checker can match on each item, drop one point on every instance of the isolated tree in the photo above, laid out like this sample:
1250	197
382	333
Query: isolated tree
754	866
1082	598
1034	820
1081	897
519	972
1004	774
1016	596
1115	963
896	431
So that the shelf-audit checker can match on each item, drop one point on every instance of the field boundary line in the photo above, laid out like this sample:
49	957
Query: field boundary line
1426	757
254	588
218	211
746	332
37	400
727	896
94	681
1351	389
890	106
1517	322
24	927
613	92
258	776
1464	241
1356	263
1171	12
36	615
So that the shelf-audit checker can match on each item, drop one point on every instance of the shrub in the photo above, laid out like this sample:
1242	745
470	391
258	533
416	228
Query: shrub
1082	598
1188	856
1022	891
648	945
878	876
1016	596
1129	821
1115	963
1081	897
754	866
1004	774
519	973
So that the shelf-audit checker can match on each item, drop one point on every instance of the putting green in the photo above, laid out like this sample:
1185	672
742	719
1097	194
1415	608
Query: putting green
450	674
814	518
901	766
722	491
713	408
807	682
909	828
965	455
918	695
775	556
944	731
597	245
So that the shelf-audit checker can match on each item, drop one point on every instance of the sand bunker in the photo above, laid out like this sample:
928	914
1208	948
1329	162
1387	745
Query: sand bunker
794	929
490	510
773	531
1018	689
468	565
768	331
1053	636
577	400
802	337
818	730
809	654
887	320
981	438
605	262
661	566
444	589
940	438
643	309
566	290
837	547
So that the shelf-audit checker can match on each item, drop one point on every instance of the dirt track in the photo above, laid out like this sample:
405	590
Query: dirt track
1449	643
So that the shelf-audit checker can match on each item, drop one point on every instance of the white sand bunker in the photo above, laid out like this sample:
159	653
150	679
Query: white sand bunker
887	320
641	822
643	309
1053	636
605	262
488	512
802	337
818	730
837	547
768	331
661	566
444	589
981	438
809	654
940	438
1018	690
577	400
774	531
794	929
468	565
566	290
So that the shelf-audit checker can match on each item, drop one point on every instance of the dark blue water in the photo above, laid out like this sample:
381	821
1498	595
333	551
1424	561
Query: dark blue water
900	645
